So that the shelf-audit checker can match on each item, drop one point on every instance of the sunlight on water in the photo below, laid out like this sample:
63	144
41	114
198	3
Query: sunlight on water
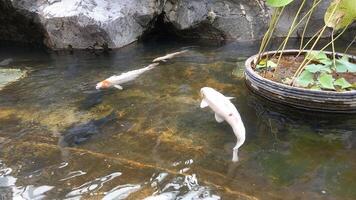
60	138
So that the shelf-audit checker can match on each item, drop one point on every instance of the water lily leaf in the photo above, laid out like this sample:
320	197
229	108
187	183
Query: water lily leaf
314	68
278	3
342	83
266	64
287	81
305	79
340	14
263	61
326	61
262	64
353	85
315	87
319	57
340	68
271	64
344	61
326	81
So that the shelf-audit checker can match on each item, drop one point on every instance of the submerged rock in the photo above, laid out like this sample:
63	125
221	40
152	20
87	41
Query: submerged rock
10	75
78	134
92	100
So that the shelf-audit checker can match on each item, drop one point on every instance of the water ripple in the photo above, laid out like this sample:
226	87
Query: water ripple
121	192
73	174
93	185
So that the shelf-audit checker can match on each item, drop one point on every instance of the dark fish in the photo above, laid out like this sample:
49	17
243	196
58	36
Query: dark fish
78	134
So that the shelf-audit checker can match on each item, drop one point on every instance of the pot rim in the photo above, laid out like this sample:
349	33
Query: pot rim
248	68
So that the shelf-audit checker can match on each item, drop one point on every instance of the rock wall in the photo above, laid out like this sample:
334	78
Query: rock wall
115	23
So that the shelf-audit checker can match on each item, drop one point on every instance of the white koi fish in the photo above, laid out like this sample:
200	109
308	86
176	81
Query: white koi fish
224	111
169	56
115	81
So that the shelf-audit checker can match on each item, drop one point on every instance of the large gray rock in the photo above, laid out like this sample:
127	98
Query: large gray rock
238	20
83	23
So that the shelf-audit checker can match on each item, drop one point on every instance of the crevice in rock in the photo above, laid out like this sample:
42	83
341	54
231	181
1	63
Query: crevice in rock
159	29
162	29
19	27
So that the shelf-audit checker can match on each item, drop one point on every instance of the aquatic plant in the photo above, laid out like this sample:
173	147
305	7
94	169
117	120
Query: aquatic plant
316	70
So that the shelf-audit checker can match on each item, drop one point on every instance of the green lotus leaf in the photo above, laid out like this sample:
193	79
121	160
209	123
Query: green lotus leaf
278	3
314	68
305	79
317	55
340	14
345	63
340	68
326	81
315	87
262	64
326	62
266	64
342	83
353	85
271	64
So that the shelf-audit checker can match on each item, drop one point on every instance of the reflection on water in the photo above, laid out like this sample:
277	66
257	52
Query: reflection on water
9	189
62	139
92	186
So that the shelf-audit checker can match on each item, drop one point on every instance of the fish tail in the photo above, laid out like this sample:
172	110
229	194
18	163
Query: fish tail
151	66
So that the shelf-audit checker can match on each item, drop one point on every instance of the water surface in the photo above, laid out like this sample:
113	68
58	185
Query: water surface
159	142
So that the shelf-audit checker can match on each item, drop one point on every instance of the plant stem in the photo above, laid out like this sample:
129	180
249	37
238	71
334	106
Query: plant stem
333	48
300	21
290	31
310	40
301	67
269	32
274	27
337	37
306	25
348	47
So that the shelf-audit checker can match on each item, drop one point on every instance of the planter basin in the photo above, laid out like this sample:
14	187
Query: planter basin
314	100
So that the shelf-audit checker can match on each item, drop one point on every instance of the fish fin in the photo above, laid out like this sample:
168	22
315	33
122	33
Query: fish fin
164	60
118	87
218	118
203	104
229	98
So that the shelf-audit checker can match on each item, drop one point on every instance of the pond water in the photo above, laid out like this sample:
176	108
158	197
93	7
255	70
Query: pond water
151	140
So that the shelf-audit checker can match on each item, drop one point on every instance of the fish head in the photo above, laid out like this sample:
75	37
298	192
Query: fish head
103	84
205	91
